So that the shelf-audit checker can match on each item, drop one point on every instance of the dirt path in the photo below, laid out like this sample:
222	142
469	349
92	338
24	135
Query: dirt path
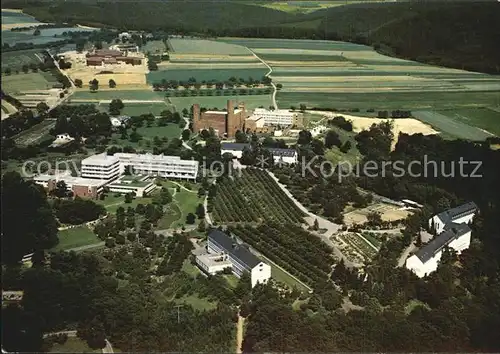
405	254
239	333
267	75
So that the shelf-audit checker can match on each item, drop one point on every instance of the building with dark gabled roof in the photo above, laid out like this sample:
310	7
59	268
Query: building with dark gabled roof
242	260
452	231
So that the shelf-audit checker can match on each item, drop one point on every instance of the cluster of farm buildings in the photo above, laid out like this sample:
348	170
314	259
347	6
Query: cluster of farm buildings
111	56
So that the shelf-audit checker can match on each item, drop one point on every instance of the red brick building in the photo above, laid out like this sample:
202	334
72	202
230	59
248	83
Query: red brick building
225	124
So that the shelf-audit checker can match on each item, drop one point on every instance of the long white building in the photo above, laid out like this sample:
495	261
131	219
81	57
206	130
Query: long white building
282	117
158	165
242	260
452	231
288	156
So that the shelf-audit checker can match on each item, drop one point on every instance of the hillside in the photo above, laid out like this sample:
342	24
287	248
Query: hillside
462	35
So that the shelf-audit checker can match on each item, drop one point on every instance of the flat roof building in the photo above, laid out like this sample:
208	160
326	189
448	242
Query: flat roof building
281	117
288	156
158	165
101	166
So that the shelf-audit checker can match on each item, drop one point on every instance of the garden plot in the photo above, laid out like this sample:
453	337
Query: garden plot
353	247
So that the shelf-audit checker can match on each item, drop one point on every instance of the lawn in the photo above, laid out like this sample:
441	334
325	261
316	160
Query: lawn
75	237
16	83
184	202
139	95
481	117
170	131
202	46
284	277
113	201
196	302
73	345
231	279
182	74
251	102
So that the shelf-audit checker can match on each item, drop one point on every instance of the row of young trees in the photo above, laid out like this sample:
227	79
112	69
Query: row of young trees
253	197
230	83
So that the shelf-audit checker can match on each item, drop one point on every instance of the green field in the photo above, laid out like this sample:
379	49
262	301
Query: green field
294	44
148	133
452	126
114	201
75	237
484	118
16	59
16	83
301	57
201	46
86	95
399	100
205	74
251	102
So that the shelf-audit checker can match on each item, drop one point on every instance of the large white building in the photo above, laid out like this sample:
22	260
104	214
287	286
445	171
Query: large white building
461	214
101	166
240	257
158	165
281	117
452	231
288	156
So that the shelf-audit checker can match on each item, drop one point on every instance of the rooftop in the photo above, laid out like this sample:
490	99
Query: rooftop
457	212
234	146
154	158
452	232
237	251
80	181
100	159
213	260
282	152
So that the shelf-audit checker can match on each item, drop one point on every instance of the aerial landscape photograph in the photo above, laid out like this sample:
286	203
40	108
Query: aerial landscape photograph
247	176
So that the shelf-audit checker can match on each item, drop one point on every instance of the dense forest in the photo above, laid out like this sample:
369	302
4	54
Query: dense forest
462	35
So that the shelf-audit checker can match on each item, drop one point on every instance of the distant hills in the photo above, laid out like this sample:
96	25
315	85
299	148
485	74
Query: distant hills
454	33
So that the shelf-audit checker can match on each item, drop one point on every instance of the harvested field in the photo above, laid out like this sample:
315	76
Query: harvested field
136	95
387	212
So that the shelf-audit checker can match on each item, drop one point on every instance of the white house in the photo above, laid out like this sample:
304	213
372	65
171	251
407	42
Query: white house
452	230
213	263
242	260
461	214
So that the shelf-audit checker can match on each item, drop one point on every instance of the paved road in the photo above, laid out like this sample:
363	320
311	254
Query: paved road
405	254
107	349
86	247
267	75
182	187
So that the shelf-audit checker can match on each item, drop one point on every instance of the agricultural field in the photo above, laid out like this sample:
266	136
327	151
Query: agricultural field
87	96
207	74
15	60
251	102
456	127
202	46
17	83
342	75
291	247
253	197
35	133
131	109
